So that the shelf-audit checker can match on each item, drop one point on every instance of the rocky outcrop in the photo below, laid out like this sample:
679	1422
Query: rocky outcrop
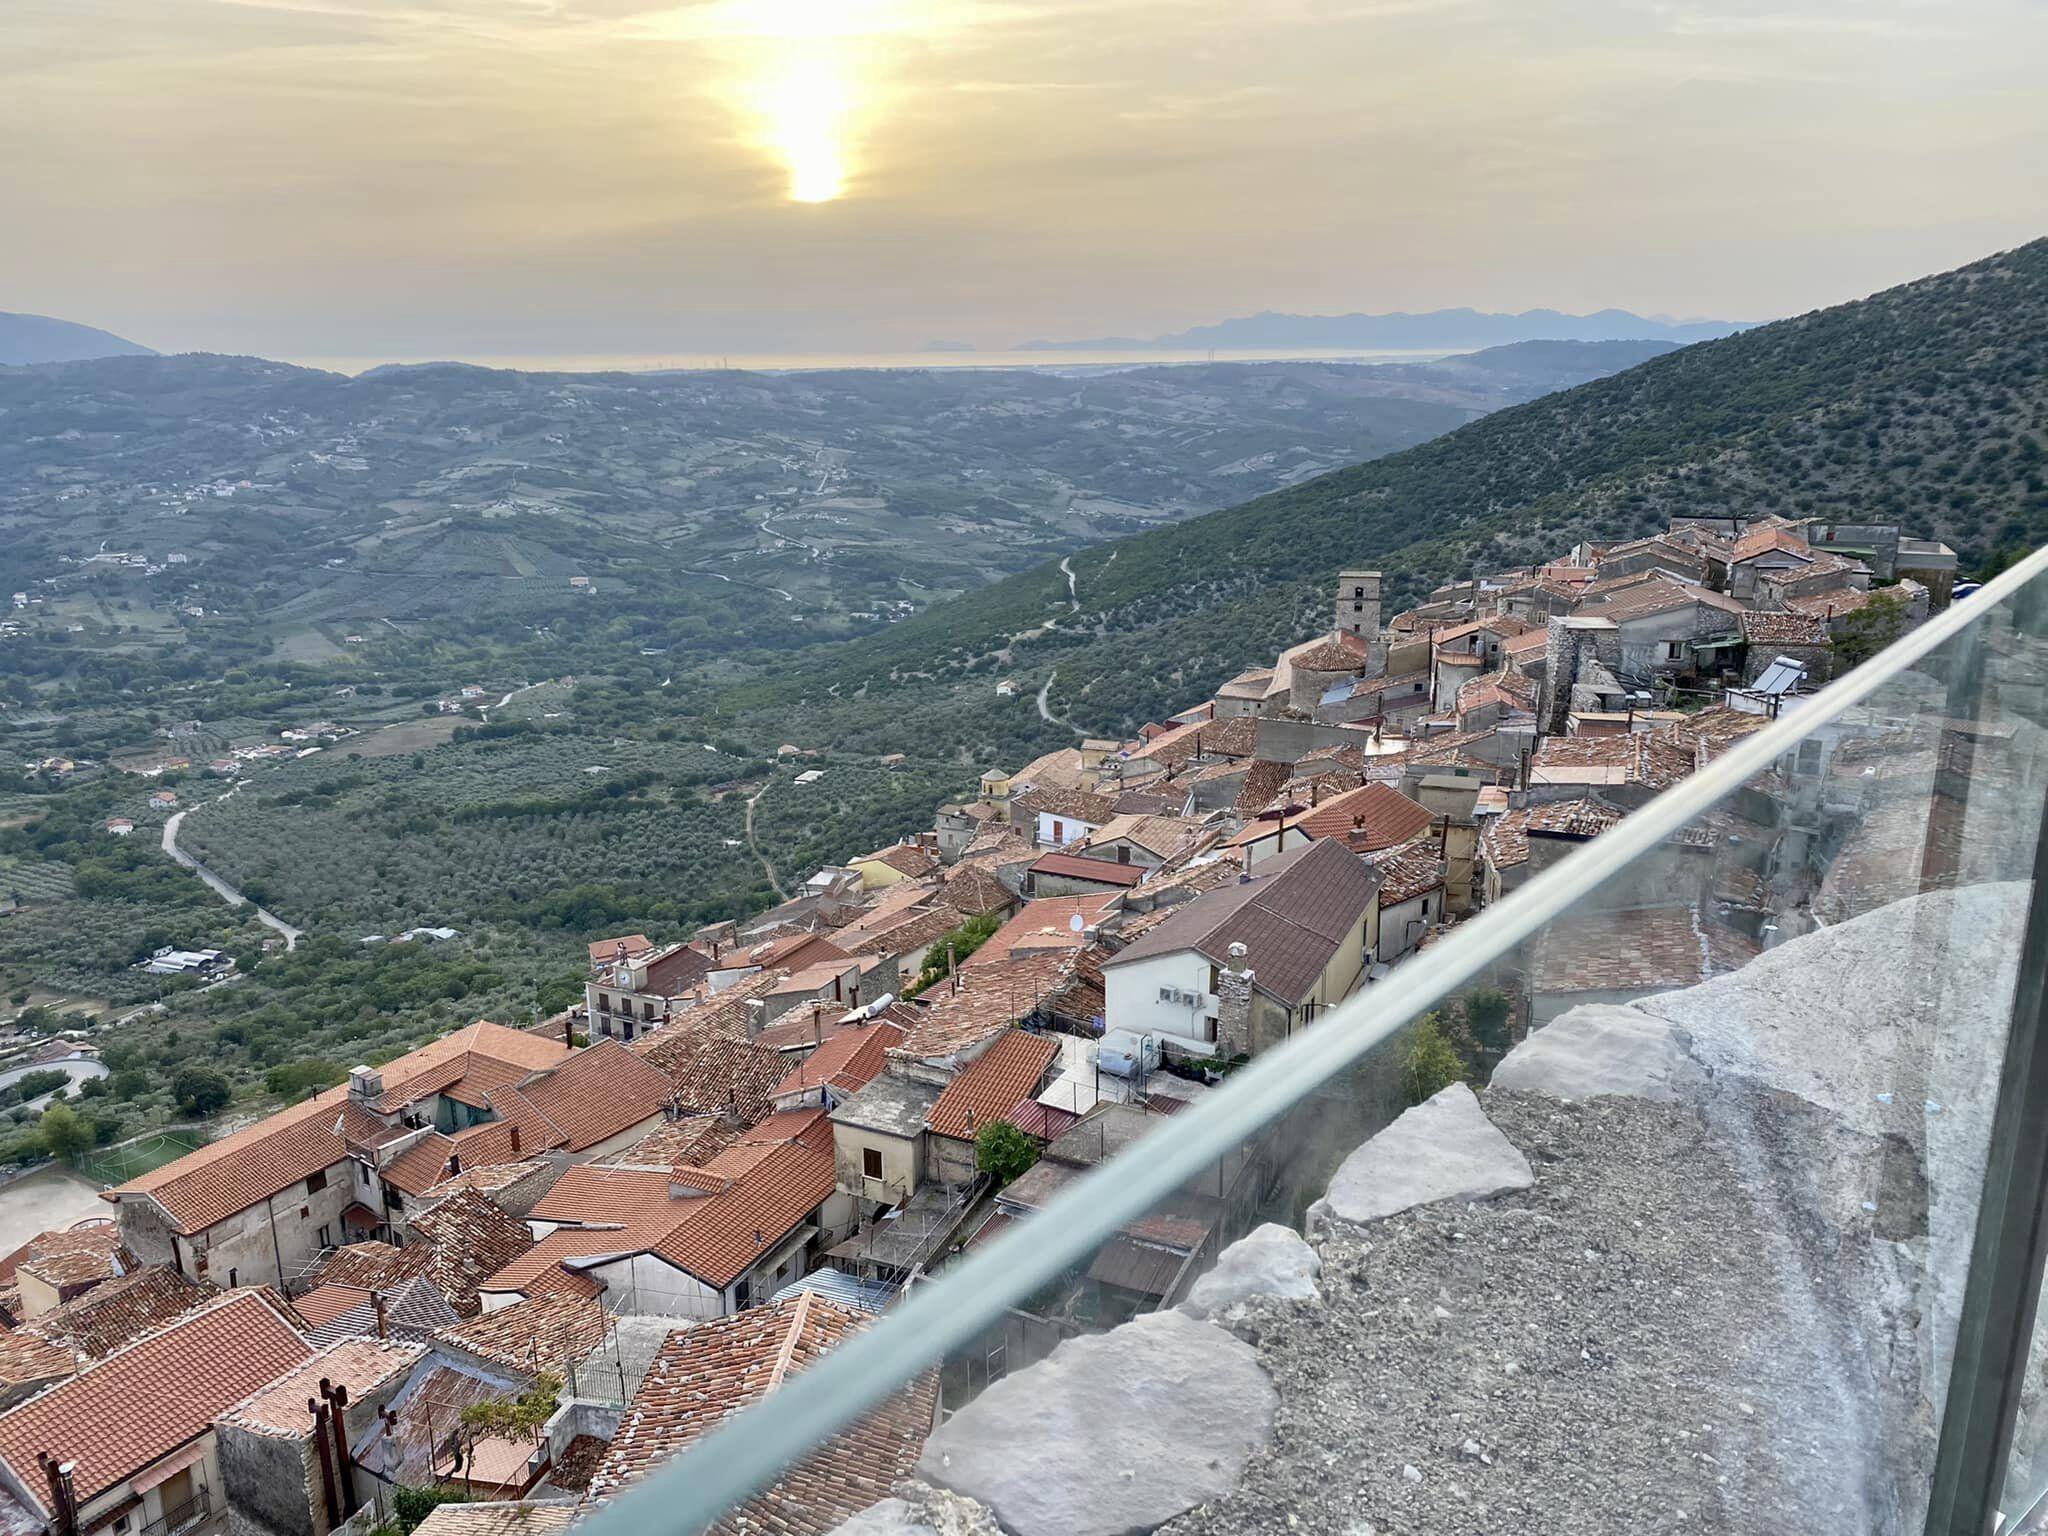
918	1509
1600	1048
1443	1149
1269	1261
1110	1434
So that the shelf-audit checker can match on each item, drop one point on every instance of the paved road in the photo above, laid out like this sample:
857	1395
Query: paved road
220	887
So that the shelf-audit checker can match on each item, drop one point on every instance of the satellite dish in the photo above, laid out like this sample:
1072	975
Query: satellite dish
1076	925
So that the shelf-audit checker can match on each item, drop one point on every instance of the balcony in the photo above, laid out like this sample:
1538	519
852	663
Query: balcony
194	1512
1701	1183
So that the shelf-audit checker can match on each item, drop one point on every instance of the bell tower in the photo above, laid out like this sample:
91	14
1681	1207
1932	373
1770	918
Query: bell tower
1358	604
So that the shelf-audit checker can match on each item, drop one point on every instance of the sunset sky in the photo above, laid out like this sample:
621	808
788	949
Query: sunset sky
496	177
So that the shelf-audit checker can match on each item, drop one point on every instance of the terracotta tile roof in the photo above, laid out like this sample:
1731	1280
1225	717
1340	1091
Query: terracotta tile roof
1293	915
1507	688
674	971
1767	541
1530	644
904	858
540	1334
598	1092
1826	605
1641	758
710	1230
692	1139
847	1062
788	951
1712	730
712	1074
27	1358
420	1166
234	1173
991	1085
704	1375
502	1519
119	1312
327	1301
1167	837
973	891
468	1238
1074	866
1337	654
1367	819
723	1014
916	931
1784	629
718	1243
143	1402
1044	923
1262	781
1409	874
603	951
361	1365
982	1001
76	1256
1504	839
1067	804
1236	737
1660	595
1643	949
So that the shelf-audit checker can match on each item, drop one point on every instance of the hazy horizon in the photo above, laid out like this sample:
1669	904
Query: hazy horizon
465	178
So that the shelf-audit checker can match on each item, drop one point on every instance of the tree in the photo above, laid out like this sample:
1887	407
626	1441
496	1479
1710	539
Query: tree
515	1418
1429	1062
200	1090
1487	1012
1003	1152
1871	628
33	1085
64	1132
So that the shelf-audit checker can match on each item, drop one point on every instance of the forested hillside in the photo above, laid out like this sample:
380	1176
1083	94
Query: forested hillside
1927	404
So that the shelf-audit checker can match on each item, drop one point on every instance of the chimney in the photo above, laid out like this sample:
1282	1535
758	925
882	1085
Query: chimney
63	1510
365	1083
336	1399
383	1316
515	1139
454	1164
569	1028
1234	1006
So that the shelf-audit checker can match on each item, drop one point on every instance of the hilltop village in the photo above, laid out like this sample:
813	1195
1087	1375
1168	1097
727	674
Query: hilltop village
525	1265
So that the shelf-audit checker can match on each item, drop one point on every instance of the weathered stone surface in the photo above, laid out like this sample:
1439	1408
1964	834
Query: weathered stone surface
1601	1048
1443	1149
921	1510
1112	1433
1269	1261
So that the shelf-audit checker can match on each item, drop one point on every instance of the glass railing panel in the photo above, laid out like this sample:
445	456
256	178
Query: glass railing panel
1643	1198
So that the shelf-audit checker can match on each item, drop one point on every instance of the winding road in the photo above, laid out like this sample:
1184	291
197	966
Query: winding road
1073	590
221	888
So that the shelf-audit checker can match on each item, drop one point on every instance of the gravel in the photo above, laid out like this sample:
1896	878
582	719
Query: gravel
1634	1343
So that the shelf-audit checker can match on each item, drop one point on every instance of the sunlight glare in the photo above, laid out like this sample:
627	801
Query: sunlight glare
804	88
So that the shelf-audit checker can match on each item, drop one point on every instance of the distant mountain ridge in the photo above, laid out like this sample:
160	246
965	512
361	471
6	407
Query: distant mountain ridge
1451	329
26	339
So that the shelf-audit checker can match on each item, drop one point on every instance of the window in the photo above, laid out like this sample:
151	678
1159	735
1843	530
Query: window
1123	853
742	1293
316	1182
1674	650
326	1236
871	1162
1059	831
1215	979
647	1009
1209	1027
604	1002
120	1524
231	1279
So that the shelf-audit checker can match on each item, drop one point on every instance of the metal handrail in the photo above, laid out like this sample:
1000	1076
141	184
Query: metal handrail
749	1450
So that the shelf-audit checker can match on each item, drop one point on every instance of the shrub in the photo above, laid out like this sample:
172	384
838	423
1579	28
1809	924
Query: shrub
1429	1062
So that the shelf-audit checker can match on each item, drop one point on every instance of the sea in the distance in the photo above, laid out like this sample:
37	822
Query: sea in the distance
791	362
